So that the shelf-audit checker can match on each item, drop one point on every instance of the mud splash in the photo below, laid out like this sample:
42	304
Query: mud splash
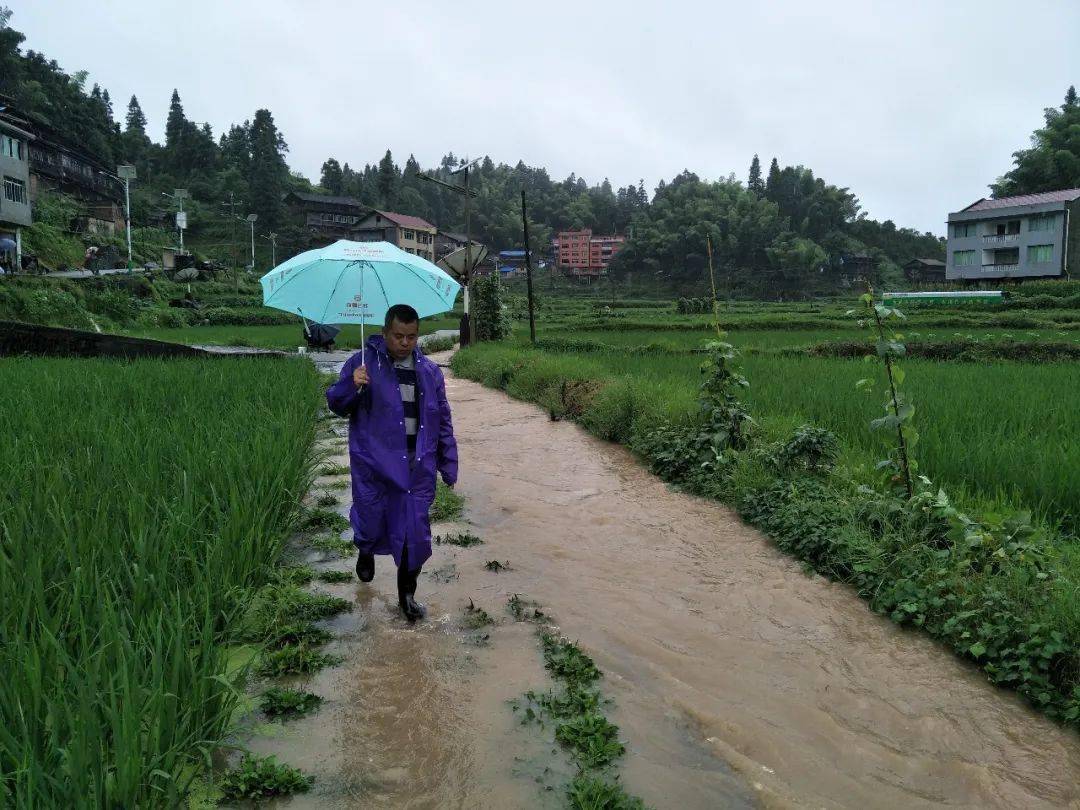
738	680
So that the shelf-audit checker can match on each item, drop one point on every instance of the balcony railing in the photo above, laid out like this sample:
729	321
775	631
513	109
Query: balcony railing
1001	239
1001	268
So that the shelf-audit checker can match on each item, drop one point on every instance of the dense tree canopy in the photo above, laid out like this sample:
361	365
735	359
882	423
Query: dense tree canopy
1053	161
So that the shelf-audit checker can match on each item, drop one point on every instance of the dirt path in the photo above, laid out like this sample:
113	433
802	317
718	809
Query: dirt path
738	680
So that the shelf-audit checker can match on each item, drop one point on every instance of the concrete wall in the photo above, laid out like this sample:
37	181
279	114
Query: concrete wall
18	169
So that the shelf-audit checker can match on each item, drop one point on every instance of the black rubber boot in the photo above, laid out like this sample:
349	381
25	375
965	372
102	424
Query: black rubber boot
365	567
406	583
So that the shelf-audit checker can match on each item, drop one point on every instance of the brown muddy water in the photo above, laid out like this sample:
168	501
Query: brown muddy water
738	680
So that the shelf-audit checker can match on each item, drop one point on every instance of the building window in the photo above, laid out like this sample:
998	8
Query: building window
1040	254
962	230
408	235
962	258
14	190
11	147
1042	222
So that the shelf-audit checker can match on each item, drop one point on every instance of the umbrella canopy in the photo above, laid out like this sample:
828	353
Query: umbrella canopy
357	282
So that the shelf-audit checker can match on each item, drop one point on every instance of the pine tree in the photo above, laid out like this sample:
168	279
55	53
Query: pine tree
332	177
268	169
135	120
754	182
389	176
107	101
772	182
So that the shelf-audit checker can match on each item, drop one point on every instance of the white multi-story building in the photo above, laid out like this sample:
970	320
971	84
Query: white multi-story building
1030	236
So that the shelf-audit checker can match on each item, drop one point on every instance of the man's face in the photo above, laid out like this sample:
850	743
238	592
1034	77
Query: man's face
401	338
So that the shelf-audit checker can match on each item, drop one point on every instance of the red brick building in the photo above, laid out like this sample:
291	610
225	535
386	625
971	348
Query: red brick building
579	253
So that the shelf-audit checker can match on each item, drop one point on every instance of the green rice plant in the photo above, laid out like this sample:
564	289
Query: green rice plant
332	544
338	485
295	659
326	499
280	702
448	505
257	778
336	577
117	630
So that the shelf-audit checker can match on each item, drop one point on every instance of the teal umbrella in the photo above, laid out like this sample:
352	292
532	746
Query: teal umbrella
357	282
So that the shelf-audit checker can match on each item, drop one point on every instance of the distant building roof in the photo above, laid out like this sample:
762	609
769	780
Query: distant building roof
928	262
512	254
986	204
405	220
326	198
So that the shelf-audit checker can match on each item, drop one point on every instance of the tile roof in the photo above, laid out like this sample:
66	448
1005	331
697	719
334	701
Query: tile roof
1065	195
325	198
404	220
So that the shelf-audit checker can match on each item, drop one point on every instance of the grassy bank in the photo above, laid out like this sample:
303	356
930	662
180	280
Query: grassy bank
141	503
1000	592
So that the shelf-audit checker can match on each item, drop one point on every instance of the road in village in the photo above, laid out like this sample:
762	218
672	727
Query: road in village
738	680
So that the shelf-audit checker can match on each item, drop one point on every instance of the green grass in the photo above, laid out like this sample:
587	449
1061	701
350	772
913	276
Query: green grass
140	503
336	577
448	505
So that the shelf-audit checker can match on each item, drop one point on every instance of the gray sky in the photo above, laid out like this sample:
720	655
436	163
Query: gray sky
916	106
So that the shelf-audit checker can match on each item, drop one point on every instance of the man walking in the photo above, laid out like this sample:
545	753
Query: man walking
400	436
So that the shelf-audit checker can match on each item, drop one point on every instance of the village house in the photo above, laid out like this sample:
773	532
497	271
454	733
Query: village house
326	219
58	166
412	234
920	271
1028	236
582	255
15	211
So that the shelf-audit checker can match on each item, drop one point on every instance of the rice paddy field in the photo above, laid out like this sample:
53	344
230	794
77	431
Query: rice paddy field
140	503
997	434
285	337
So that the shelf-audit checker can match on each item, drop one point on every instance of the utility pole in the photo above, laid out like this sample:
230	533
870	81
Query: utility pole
251	218
232	228
465	328
181	218
528	268
127	174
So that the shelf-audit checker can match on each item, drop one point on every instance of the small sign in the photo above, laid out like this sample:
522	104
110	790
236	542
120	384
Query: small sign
181	219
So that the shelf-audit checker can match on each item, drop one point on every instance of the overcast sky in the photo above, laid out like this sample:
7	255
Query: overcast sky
916	106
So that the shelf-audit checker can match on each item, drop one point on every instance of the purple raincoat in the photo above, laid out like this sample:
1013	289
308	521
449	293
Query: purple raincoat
390	501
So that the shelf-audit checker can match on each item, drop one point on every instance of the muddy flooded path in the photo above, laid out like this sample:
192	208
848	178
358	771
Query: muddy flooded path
738	680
